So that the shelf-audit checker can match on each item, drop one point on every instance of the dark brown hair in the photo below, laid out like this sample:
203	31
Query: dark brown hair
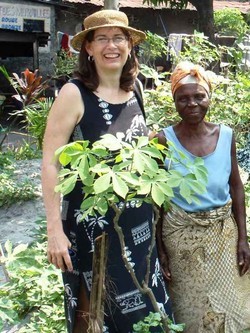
87	71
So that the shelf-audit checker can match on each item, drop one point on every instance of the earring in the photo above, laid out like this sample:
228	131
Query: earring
129	56
90	58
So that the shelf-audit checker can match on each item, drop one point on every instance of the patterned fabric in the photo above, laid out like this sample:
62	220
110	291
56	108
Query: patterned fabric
125	305
207	293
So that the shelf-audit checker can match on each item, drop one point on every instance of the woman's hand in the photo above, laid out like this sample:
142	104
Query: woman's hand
57	252
243	256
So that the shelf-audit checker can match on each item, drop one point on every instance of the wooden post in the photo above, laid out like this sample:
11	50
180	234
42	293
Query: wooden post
111	4
98	290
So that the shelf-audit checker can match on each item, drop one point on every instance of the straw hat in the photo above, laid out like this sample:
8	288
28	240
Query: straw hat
106	18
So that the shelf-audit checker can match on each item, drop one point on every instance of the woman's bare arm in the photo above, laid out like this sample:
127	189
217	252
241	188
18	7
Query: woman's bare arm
63	117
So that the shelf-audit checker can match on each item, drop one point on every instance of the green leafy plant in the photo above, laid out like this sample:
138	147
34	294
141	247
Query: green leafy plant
199	50
36	118
151	73
152	48
11	189
29	88
230	105
159	107
154	320
34	288
230	22
25	152
114	171
65	63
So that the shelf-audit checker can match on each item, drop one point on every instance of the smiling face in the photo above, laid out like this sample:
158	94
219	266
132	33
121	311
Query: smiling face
110	49
191	102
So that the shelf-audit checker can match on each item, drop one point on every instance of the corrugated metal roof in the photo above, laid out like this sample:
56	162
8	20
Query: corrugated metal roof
244	7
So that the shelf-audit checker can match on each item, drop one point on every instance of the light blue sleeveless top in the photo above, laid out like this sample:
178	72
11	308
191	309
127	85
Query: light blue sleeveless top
218	164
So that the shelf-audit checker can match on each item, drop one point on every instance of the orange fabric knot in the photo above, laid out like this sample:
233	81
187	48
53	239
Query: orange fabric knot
186	72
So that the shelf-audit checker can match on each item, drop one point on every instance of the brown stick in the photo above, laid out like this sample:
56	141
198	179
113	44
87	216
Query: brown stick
98	290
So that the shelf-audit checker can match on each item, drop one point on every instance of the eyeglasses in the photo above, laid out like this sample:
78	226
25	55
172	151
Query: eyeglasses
117	40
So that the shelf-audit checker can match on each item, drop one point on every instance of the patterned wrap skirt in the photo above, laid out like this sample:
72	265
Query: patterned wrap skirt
206	290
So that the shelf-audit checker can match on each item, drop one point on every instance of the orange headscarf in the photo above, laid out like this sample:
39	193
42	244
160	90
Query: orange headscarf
187	72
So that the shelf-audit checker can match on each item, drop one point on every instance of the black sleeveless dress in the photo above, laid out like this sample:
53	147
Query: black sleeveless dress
125	304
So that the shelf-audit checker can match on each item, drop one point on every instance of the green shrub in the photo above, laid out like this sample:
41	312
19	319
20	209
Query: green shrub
35	288
13	190
230	22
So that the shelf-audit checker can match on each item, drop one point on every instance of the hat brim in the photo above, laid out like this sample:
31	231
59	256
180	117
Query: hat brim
136	35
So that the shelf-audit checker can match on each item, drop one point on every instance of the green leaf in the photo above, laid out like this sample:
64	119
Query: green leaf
64	158
83	168
100	168
151	164
130	178
109	141
19	248
197	187
145	188
153	152
67	184
138	162
89	180
201	173
185	191
166	189
8	247
102	183
198	161
64	172
87	202
119	186
176	327
102	206
142	141
157	195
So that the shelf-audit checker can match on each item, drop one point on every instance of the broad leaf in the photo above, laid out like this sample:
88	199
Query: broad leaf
64	158
102	183
87	203
67	184
138	163
166	189
157	195
185	191
119	186
102	206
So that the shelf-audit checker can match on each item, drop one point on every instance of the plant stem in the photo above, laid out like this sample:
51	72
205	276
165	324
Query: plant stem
144	288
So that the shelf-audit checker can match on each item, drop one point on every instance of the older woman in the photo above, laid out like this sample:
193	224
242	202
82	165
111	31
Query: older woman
207	255
100	99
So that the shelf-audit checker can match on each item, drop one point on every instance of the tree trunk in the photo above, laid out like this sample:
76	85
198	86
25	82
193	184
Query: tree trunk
111	4
205	17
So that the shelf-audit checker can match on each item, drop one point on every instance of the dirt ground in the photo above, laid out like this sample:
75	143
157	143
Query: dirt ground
18	222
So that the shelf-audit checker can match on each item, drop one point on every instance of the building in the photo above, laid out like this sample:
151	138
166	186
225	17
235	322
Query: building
31	32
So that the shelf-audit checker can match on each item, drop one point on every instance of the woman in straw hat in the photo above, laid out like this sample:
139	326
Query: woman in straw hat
100	99
205	253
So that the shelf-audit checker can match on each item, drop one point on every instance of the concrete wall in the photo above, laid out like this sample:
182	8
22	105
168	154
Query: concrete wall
18	64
